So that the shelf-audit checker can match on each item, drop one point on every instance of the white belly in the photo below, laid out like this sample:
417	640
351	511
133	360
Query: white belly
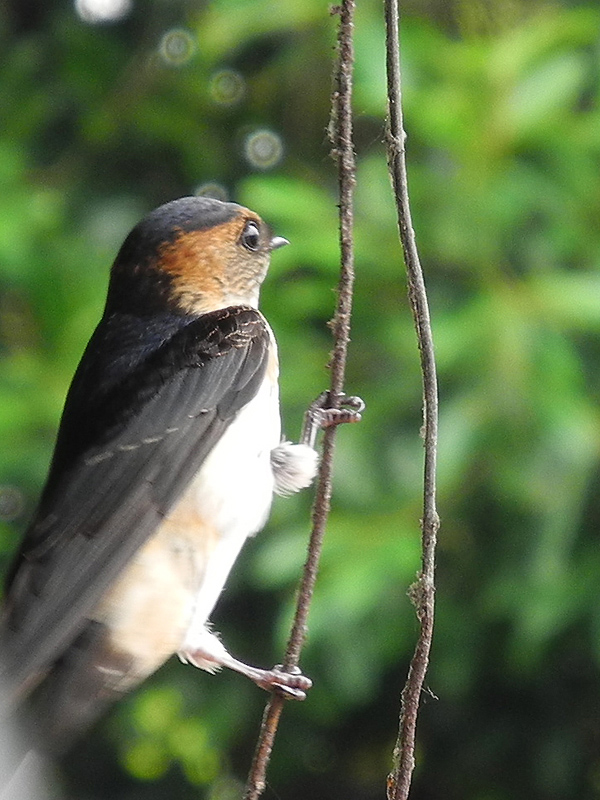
233	493
234	487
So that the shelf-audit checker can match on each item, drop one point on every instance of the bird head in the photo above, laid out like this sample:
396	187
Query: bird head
192	256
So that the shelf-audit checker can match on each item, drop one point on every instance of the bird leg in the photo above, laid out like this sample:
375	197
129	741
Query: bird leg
321	415
209	653
290	683
295	465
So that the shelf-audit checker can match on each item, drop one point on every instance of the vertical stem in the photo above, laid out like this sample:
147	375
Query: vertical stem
343	153
423	591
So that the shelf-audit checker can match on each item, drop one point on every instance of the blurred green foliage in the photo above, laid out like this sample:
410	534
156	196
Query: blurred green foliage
103	121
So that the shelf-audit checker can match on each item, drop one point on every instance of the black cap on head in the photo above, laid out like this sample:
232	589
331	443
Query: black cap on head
164	223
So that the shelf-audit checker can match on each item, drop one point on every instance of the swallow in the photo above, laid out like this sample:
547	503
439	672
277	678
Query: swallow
168	454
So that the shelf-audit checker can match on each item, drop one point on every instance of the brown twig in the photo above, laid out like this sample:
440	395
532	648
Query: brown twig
422	593
343	153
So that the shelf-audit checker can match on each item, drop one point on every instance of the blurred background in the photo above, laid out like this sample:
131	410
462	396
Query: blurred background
111	107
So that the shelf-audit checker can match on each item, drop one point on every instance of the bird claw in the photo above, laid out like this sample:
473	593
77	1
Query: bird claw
320	414
290	683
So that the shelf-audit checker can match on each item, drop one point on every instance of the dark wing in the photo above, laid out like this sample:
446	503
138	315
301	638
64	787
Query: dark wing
133	445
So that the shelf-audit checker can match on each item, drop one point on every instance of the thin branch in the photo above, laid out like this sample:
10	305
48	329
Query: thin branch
422	593
343	153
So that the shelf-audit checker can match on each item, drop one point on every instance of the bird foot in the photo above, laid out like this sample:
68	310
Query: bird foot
320	414
290	683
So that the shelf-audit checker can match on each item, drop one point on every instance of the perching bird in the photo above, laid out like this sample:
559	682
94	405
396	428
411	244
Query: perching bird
168	454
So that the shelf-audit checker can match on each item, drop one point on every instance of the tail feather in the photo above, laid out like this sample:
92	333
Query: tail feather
88	677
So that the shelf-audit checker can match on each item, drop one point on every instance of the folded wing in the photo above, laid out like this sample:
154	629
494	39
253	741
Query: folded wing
132	437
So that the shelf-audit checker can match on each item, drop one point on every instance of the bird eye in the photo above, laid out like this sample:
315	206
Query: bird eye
251	236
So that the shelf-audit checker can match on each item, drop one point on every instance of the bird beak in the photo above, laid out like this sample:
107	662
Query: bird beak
278	241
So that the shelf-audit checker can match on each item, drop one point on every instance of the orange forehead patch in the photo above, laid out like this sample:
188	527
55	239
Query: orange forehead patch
199	254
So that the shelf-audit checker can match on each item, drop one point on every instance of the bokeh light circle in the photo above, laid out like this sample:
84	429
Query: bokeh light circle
97	11
227	87
212	189
12	503
263	149
177	47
